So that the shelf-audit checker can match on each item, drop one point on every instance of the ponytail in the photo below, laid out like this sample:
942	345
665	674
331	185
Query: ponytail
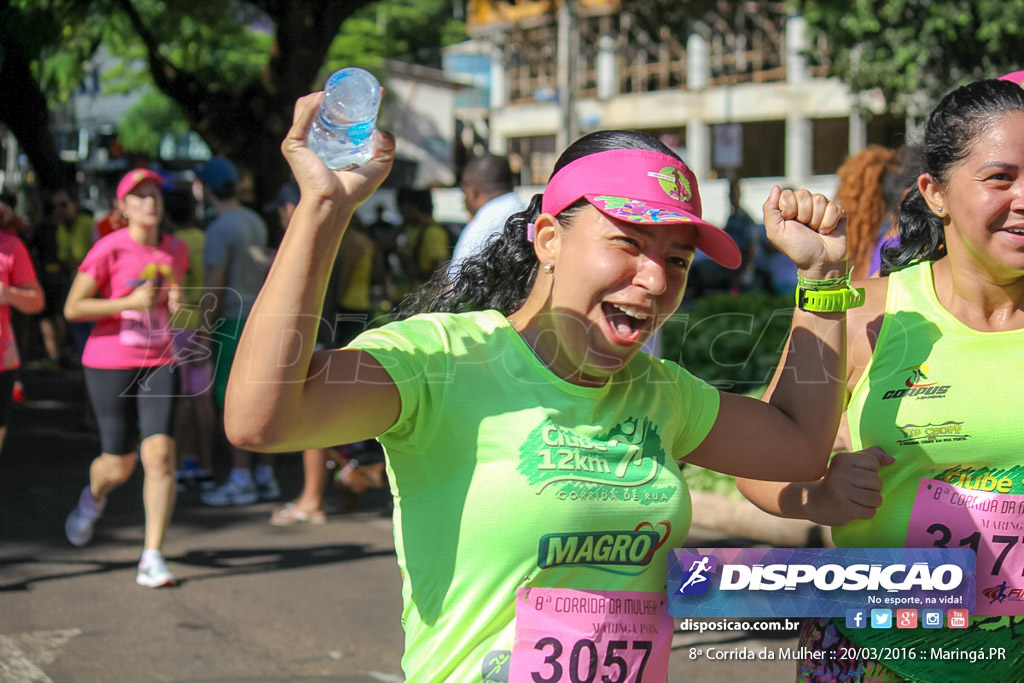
499	276
922	236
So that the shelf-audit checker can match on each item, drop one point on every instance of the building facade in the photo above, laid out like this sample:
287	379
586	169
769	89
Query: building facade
737	97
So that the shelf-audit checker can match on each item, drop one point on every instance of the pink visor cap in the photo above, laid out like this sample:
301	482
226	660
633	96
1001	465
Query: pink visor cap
639	186
1014	77
134	178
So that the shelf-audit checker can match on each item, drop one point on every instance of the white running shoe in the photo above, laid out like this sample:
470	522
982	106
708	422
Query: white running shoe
81	521
153	572
230	493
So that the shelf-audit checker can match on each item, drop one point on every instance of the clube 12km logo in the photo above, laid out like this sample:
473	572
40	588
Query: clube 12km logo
625	464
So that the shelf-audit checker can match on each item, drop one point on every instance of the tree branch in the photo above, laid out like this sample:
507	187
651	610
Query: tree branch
181	86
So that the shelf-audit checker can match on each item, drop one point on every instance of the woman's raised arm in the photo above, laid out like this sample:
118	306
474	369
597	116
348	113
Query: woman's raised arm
789	438
282	396
851	486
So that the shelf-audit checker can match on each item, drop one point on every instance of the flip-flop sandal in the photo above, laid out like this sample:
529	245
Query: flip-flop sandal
289	515
360	478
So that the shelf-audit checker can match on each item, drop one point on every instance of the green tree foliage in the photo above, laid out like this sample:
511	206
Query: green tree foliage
409	30
30	66
146	123
232	68
922	48
733	342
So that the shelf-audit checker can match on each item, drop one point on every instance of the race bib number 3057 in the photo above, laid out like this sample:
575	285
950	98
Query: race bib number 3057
992	523
582	636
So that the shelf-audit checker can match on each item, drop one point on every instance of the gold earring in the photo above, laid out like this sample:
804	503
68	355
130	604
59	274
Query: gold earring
548	268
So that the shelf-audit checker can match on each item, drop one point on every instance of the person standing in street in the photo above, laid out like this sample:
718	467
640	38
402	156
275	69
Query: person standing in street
344	315
196	418
487	185
235	265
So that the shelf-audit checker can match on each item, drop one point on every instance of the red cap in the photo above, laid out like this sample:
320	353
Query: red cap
132	179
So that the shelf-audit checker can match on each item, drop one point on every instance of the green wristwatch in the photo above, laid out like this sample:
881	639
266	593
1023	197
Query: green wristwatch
829	300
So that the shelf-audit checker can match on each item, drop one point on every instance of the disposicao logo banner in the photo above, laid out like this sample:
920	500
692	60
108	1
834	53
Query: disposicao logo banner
816	582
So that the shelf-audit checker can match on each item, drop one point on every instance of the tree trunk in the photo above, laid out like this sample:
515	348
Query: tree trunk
23	109
247	123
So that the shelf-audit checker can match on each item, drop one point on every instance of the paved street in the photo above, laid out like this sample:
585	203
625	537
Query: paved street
255	603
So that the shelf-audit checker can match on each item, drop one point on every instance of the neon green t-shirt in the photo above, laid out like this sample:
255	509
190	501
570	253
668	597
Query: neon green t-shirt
501	471
944	400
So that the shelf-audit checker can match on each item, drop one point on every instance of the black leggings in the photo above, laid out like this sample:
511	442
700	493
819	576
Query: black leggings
6	388
132	404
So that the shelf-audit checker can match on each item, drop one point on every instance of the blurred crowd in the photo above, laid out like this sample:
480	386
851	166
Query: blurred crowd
381	261
212	211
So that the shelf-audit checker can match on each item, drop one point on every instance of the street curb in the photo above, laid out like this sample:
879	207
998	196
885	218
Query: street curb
742	518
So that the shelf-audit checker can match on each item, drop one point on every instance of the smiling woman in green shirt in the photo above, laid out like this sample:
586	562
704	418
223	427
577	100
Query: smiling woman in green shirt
532	450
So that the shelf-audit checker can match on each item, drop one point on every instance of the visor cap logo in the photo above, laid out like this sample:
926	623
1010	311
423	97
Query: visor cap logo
673	183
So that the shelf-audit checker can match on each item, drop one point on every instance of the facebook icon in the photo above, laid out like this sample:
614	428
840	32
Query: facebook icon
856	618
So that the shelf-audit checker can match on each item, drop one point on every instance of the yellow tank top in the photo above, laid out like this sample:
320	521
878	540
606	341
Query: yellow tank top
941	398
945	401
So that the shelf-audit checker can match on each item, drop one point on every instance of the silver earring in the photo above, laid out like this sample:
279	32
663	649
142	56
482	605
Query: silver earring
548	268
938	210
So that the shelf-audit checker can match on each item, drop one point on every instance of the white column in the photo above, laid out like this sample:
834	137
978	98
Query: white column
796	43
499	84
698	148
568	129
698	67
858	131
798	149
607	68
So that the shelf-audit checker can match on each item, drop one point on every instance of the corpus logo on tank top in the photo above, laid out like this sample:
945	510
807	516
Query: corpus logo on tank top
622	464
917	385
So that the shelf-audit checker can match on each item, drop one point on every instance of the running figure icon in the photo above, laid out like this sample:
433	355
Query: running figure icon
697	570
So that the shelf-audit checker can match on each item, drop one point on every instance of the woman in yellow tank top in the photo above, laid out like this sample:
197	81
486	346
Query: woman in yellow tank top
933	374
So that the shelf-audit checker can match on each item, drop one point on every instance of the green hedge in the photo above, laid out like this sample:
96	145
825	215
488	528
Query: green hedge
733	342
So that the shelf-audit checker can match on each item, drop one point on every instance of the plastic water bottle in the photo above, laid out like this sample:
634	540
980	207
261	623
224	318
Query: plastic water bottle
342	132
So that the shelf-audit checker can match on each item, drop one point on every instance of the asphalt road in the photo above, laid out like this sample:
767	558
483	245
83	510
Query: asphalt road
254	602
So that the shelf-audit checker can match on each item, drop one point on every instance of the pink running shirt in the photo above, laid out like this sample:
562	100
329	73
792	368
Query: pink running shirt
119	264
15	271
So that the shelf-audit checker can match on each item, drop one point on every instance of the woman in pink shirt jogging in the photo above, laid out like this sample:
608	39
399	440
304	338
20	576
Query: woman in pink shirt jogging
129	284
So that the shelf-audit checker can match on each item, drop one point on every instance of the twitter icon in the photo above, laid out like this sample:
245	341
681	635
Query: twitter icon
881	618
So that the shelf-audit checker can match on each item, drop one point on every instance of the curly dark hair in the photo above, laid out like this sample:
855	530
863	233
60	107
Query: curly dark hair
502	273
950	132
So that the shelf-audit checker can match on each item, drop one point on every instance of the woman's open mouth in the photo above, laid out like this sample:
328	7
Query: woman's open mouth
625	323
